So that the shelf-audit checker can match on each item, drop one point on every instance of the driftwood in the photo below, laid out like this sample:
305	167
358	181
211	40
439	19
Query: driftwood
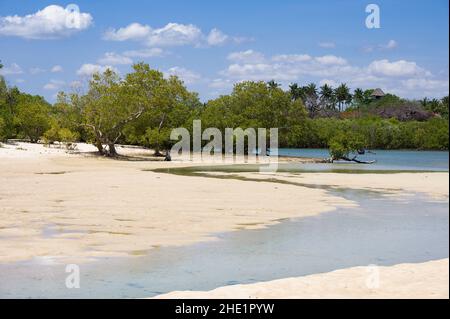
354	159
363	151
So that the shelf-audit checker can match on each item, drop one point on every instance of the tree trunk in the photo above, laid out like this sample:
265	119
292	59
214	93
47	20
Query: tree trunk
112	150
100	148
157	152
157	148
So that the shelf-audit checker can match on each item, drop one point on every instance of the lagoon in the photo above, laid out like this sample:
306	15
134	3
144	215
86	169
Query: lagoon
383	230
394	222
403	160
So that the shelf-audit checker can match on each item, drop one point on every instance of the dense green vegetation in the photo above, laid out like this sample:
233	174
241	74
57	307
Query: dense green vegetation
144	106
342	146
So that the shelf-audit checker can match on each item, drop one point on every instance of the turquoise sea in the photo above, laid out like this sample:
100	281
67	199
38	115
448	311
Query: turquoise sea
385	160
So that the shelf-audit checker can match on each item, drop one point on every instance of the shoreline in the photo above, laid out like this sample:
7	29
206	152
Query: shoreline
68	208
128	150
94	207
76	208
412	281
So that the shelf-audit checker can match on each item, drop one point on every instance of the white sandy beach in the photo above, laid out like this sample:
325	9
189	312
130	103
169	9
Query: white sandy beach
425	280
73	207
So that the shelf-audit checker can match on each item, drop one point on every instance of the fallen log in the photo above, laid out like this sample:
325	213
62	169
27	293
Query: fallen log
354	159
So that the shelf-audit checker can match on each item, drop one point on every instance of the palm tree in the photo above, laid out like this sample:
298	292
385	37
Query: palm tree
327	96
424	102
296	92
358	96
311	90
349	99
434	105
272	84
311	97
343	95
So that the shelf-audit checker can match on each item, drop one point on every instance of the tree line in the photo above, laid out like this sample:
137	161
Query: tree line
144	106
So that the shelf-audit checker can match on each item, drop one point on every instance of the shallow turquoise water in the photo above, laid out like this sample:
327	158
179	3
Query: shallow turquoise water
381	231
386	159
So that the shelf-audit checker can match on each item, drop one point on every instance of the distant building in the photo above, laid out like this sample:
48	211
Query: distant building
377	94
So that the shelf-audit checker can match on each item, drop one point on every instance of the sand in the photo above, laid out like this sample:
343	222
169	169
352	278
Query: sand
74	208
425	280
434	184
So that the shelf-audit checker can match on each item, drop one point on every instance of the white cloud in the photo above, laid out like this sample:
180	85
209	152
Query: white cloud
144	53
291	58
172	34
397	68
331	60
89	69
427	85
327	45
134	31
50	23
260	71
20	80
111	58
390	45
221	83
12	69
175	34
36	70
332	83
76	85
188	76
399	77
125	58
249	56
287	67
54	85
56	69
217	37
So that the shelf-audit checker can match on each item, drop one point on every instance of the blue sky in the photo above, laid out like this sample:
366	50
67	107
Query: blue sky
214	44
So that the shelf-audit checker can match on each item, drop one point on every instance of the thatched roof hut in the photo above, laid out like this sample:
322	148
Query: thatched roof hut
377	93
